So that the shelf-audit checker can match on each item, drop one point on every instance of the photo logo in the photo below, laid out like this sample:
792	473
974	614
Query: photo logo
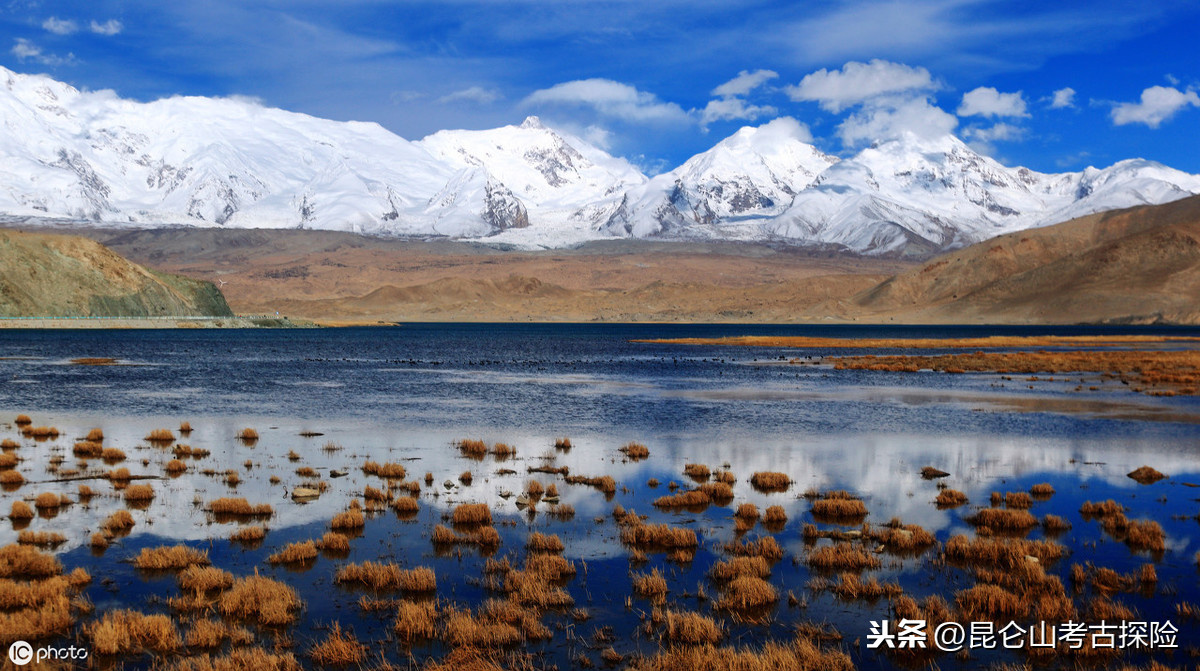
20	653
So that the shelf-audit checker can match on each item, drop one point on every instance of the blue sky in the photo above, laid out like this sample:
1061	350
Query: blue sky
1052	86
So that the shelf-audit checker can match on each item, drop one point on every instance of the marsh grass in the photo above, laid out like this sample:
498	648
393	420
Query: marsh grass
170	558
301	552
635	451
697	472
128	631
338	648
1003	519
843	557
839	507
260	599
1146	475
249	535
689	628
604	483
472	513
539	542
20	511
348	520
385	470
746	593
160	437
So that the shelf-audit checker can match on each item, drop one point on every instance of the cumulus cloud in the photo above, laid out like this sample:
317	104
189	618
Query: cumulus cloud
856	83
983	139
889	118
776	131
988	102
473	94
744	83
730	109
60	26
1062	98
1158	104
25	51
609	98
109	27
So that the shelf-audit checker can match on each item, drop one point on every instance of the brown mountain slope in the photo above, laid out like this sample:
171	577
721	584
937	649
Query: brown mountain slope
1140	265
46	275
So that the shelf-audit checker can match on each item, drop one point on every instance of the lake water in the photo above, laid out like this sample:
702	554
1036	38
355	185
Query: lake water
406	394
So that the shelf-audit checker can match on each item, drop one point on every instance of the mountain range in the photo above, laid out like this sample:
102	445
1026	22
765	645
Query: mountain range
224	162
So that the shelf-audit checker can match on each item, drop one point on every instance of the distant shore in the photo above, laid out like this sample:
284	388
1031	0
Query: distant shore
236	322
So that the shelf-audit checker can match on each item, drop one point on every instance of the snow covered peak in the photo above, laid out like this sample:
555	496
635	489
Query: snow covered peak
532	121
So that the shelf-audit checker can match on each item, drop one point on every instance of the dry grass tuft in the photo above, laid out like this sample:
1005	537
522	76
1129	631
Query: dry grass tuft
415	621
539	542
11	478
239	659
295	553
562	443
842	557
18	561
162	436
472	513
168	558
128	631
9	444
249	534
41	538
1018	500
87	449
503	450
604	483
989	603
635	451
1003	519
851	588
774	516
755	566
239	507
747	511
931	473
212	633
48	500
485	537
23	420
1145	535
117	522
350	519
650	585
248	435
696	471
1042	490
20	511
839	506
405	505
339	648
1000	553
747	592
185	427
138	493
334	543
385	470
1053	524
693	499
658	536
175	467
267	601
690	629
204	579
39	432
1103	509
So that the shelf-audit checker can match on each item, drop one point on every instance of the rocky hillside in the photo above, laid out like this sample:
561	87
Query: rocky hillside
46	275
1138	265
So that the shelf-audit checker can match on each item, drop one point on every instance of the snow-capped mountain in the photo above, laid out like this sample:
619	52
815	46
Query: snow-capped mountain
91	156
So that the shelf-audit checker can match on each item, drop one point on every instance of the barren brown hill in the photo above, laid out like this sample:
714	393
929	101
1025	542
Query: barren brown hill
1139	265
47	275
343	277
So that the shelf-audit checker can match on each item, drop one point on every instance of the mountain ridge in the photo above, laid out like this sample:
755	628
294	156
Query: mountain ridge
94	157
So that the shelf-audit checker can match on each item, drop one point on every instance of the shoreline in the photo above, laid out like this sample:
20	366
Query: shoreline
74	323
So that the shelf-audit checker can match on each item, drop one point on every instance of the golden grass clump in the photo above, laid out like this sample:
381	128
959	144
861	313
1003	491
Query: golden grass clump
1003	519
1145	535
338	648
175	467
690	499
185	427
350	519
375	575
385	470
117	522
839	506
209	633
248	435
48	500
690	628
204	579
295	553
18	561
1000	553
635	451
950	498
659	535
770	481
472	447
503	450
747	511
128	631
87	449
843	557
160	436
40	432
747	592
139	493
465	630
472	513
11	478
1146	475
1042	490
266	601
486	537
466	478
905	538
251	534
1107	508
851	588
989	603
766	547
563	443
1018	500
239	507
23	420
539	542
9	444
415	621
650	585
334	543
8	460
41	538
20	511
931	473
1053	524
170	557
740	566
405	505
696	471
604	483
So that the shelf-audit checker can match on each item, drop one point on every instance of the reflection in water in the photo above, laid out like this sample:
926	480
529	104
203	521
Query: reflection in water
407	395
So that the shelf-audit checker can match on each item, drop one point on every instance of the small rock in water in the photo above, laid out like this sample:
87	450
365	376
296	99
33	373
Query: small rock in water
504	493
338	473
449	484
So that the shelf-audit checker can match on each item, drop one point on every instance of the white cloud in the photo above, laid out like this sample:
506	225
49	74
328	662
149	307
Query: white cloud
729	109
744	83
25	50
407	96
1158	104
473	94
777	131
609	98
1062	98
60	26
983	139
109	27
857	83
988	102
889	118
597	136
